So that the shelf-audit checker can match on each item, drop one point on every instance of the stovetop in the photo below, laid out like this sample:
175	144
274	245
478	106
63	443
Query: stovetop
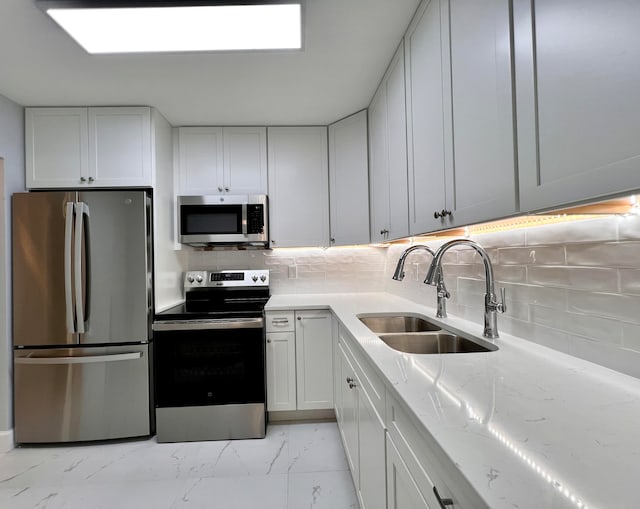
221	295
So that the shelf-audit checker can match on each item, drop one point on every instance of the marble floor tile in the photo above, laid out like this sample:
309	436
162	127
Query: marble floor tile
322	490
316	448
283	471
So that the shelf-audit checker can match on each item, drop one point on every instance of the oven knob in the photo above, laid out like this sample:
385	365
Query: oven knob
255	278
263	278
190	278
199	278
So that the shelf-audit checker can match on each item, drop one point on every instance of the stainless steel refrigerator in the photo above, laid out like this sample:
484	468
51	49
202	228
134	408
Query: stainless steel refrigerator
82	309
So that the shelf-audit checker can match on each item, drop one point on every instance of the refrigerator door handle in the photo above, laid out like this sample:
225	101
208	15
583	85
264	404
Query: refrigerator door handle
82	210
89	359
68	291
86	222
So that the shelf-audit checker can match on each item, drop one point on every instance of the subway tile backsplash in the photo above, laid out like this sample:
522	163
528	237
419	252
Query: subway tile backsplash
573	286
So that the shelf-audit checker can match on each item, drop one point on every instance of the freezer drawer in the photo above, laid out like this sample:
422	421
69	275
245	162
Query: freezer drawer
79	394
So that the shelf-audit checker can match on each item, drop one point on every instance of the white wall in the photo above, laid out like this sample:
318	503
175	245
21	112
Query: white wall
12	180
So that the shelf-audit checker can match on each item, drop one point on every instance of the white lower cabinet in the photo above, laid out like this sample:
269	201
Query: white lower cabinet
402	491
362	431
437	480
314	360
394	461
299	359
281	371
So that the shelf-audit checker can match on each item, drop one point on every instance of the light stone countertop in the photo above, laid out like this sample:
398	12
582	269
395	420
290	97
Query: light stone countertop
529	427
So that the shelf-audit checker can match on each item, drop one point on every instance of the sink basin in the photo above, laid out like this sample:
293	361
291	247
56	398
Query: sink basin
397	323
435	342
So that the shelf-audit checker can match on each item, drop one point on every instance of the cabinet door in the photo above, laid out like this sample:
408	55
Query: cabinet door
371	434
397	136
56	147
388	149
298	186
314	360
348	422
402	492
577	77
349	181
120	147
425	119
378	167
245	160
479	133
281	371
200	160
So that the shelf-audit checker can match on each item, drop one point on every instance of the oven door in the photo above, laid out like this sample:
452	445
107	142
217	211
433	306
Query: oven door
217	362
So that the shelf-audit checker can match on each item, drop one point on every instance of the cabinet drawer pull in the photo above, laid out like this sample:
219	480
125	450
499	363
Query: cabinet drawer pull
278	321
444	502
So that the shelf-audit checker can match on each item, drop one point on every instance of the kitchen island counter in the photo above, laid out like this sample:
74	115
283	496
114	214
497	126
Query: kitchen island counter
527	426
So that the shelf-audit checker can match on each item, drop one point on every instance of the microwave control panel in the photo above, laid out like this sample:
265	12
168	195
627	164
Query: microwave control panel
255	218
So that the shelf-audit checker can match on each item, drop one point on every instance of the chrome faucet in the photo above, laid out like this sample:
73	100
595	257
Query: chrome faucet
491	304
443	294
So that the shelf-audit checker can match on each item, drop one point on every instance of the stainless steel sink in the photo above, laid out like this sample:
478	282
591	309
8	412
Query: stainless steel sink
397	323
435	342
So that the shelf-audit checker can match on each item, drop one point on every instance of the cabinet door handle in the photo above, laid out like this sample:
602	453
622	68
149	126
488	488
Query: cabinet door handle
83	179
220	188
268	341
299	318
91	179
444	502
226	189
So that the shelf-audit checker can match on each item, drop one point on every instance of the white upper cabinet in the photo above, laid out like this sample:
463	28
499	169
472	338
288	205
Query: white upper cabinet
222	160
349	181
425	118
388	155
298	186
480	161
88	147
577	81
120	146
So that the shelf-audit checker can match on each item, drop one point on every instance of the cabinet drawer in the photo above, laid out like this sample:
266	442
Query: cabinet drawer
280	321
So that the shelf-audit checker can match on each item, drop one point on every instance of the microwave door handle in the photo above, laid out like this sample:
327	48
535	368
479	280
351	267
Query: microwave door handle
244	219
68	291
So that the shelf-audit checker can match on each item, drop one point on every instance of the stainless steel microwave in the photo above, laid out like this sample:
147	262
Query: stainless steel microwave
224	219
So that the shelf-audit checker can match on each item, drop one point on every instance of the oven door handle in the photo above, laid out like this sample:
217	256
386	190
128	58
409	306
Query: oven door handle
250	323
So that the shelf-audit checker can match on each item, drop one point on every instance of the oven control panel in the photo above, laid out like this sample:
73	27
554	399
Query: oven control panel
212	279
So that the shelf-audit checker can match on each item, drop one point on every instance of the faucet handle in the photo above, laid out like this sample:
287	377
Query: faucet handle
502	305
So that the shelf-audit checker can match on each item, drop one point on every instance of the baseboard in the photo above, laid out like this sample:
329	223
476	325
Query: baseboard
302	415
6	441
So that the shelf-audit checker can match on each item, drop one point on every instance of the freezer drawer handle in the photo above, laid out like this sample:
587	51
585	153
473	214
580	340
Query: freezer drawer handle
79	360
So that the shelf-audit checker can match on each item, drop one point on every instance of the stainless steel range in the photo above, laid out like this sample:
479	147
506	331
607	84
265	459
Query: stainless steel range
210	359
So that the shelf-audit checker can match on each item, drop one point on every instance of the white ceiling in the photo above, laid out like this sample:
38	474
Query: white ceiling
348	44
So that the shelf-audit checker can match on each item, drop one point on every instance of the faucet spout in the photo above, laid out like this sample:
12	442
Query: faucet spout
398	275
491	304
442	292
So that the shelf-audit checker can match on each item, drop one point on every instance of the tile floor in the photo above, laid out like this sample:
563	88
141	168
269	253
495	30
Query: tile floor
297	466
